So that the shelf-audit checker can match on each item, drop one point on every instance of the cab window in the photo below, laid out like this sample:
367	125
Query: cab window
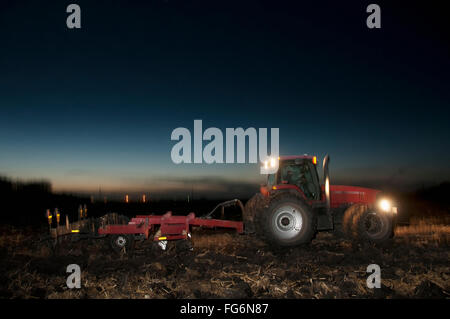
303	174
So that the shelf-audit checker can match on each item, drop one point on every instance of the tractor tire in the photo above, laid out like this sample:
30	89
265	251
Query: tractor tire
372	226
348	229
252	208
287	221
122	244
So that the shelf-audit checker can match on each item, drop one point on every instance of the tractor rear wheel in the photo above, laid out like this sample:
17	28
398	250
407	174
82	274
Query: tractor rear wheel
287	221
252	208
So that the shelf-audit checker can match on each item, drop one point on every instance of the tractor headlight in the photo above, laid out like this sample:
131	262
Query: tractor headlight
385	205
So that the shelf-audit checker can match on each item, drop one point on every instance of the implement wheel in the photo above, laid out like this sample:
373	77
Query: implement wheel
123	243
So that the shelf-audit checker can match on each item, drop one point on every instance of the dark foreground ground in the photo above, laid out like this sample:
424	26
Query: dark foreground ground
415	264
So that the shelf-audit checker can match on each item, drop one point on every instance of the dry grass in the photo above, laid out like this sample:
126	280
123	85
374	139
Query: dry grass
431	229
224	265
212	240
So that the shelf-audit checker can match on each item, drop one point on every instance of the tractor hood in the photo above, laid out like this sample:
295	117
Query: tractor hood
341	194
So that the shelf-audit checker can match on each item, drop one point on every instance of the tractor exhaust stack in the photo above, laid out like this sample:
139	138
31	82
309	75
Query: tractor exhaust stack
326	181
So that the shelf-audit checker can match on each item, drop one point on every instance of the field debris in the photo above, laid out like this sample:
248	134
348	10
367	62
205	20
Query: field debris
223	265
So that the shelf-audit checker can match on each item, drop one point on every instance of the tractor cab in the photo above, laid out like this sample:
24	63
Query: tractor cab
299	173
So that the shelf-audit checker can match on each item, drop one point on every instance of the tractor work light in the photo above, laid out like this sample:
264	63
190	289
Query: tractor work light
270	165
272	162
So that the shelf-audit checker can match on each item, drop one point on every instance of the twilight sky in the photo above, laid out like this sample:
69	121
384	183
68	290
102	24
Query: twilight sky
95	107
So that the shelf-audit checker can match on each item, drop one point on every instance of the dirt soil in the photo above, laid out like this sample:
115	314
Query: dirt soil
414	264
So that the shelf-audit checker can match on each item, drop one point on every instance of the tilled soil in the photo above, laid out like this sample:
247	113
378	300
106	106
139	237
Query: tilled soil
225	265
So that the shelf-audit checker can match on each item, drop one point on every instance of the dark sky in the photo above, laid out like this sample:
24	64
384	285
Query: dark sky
95	107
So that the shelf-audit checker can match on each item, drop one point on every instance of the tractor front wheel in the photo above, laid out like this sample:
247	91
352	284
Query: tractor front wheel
349	228
374	227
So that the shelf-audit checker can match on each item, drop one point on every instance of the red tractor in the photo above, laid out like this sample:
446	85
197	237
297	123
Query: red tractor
288	211
293	206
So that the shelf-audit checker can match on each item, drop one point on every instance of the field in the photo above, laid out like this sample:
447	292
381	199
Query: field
415	264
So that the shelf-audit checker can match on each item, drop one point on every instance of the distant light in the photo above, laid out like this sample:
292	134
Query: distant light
126	199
